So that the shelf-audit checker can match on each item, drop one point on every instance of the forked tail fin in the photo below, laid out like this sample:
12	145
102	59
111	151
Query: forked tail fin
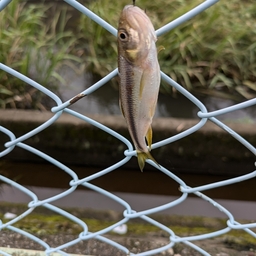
142	157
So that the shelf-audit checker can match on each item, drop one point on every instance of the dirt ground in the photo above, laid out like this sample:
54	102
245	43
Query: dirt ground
214	247
140	237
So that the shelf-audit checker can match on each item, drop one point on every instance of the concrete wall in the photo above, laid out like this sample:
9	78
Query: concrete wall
72	141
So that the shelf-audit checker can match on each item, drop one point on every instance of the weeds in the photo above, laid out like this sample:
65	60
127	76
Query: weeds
213	53
36	46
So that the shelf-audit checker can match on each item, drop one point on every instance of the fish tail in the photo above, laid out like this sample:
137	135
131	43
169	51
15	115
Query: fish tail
142	157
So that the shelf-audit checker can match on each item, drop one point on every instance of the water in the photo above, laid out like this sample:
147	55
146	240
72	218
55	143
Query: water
105	101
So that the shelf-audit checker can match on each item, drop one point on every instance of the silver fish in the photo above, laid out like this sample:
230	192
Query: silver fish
139	77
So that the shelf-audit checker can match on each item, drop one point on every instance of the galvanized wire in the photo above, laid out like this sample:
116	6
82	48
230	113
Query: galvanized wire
128	213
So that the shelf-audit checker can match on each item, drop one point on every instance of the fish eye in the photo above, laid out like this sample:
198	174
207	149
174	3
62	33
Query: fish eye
123	36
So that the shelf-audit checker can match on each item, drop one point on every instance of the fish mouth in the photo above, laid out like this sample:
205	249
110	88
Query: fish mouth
137	19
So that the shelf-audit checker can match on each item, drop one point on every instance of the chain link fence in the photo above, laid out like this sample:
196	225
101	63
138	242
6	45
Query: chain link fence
128	213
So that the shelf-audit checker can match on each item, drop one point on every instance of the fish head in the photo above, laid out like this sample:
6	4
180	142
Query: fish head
136	34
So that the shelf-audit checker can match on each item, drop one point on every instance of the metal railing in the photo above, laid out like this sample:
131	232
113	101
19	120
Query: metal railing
128	213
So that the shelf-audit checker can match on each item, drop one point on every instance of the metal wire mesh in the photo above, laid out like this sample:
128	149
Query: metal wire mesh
128	213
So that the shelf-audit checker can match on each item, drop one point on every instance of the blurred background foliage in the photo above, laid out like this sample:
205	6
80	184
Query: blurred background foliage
35	45
211	54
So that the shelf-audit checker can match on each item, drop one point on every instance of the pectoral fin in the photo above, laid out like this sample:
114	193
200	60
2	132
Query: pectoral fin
142	83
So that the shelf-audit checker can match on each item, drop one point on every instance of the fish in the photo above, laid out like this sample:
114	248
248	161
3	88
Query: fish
139	77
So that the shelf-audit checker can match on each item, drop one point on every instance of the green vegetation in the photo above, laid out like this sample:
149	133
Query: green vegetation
35	46
213	53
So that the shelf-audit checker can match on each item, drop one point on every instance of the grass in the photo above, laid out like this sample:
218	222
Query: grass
211	54
36	46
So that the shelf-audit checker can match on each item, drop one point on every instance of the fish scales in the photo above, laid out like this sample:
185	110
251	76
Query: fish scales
130	101
139	76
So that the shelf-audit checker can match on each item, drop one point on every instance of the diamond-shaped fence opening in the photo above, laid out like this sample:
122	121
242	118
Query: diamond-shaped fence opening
85	234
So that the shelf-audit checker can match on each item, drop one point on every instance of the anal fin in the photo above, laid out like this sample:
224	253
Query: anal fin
149	136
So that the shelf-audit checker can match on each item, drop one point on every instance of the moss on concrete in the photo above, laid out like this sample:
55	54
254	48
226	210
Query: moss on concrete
43	222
